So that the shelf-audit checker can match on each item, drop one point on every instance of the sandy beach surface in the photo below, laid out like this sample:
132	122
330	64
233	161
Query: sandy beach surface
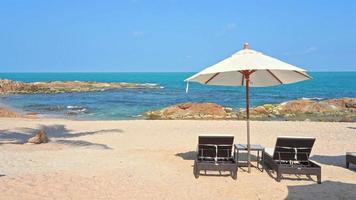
145	159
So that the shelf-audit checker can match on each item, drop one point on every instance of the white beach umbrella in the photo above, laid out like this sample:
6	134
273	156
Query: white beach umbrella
249	68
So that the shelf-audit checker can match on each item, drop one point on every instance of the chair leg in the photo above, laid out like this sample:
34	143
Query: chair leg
234	173
196	171
319	179
279	176
347	164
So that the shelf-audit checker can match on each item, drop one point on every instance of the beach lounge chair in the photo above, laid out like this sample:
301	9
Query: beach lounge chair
215	152
291	156
350	158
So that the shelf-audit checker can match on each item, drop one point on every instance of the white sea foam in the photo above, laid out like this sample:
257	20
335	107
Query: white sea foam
73	107
149	84
312	98
284	103
77	109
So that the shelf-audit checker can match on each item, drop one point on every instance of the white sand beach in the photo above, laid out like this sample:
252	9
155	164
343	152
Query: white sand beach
153	160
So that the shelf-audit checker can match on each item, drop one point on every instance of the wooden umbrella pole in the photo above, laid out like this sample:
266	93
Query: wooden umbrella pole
247	78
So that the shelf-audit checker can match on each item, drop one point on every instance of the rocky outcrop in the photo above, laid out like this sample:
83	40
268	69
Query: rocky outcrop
17	87
192	111
8	113
40	137
343	109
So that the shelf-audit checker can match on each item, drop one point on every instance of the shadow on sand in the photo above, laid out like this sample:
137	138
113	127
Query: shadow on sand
57	133
291	177
326	190
189	155
338	161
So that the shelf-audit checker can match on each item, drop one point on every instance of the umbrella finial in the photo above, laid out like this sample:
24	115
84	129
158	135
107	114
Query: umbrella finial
246	45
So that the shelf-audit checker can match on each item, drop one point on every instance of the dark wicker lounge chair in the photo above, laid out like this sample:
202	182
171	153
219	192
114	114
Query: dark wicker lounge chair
291	156
350	158
215	152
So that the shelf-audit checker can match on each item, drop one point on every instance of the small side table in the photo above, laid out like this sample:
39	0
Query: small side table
253	147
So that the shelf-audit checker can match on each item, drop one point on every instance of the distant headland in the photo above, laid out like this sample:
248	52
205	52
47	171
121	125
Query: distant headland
55	87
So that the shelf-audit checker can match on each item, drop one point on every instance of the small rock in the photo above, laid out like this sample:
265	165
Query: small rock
272	116
184	106
258	110
350	105
228	110
348	118
288	115
70	113
32	113
268	107
40	137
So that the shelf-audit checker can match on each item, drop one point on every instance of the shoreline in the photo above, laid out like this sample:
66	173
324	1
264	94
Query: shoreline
311	109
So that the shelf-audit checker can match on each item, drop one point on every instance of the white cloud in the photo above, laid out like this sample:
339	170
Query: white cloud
137	33
310	49
306	51
229	27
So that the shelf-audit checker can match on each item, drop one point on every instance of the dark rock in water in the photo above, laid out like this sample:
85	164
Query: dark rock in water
71	113
55	87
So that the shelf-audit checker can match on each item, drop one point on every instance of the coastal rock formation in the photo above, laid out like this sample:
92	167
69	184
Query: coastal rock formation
8	113
192	111
40	137
5	112
17	87
343	109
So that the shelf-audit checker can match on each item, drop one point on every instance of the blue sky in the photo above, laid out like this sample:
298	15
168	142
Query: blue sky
172	35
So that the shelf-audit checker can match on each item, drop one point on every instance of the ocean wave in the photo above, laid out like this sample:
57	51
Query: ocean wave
312	98
74	107
43	107
78	109
151	85
75	110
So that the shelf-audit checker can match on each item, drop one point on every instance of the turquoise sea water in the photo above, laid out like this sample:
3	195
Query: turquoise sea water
131	104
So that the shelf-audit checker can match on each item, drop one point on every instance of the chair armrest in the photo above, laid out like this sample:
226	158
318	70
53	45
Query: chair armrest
314	163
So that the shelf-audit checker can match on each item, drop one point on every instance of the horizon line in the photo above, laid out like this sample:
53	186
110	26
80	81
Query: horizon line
28	72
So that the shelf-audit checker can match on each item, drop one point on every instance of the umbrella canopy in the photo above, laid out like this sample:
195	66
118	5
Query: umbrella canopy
249	68
268	71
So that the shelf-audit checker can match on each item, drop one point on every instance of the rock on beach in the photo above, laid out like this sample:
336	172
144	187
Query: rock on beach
342	109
